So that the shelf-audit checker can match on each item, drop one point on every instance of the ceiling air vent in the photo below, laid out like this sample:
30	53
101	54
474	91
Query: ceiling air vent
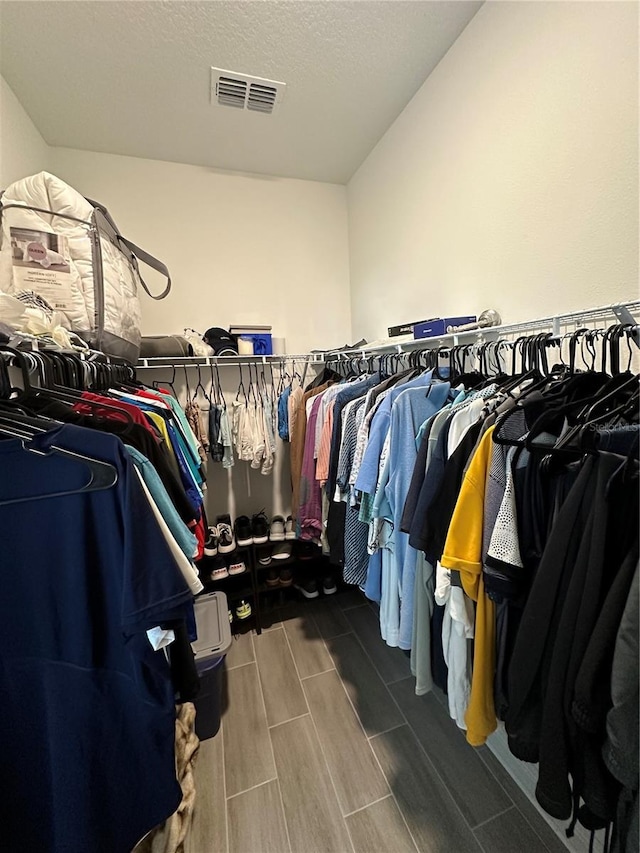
231	89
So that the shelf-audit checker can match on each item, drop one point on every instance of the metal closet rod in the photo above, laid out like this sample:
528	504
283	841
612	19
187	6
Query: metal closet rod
227	360
622	311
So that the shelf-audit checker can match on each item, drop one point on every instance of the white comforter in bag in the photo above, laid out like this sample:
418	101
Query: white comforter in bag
52	256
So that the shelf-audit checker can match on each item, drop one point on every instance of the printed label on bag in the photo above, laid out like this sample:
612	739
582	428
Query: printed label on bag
42	263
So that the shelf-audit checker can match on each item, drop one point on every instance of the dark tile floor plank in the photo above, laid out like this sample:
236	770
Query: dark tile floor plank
378	828
281	687
392	664
509	833
307	646
552	842
311	808
249	833
429	810
208	833
351	597
329	617
240	651
248	760
473	786
353	767
368	693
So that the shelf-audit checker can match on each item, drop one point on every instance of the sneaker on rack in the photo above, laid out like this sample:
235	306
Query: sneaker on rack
226	540
273	578
289	528
237	566
285	578
308	588
307	550
211	542
329	585
260	528
244	535
282	551
219	570
243	610
264	555
276	533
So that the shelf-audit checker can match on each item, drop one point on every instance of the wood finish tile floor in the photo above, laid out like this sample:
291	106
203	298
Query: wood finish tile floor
325	748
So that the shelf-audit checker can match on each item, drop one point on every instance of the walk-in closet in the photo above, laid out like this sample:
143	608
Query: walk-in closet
319	426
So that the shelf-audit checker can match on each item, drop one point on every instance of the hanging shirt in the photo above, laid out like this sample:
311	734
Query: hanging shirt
283	414
181	533
411	408
88	702
463	552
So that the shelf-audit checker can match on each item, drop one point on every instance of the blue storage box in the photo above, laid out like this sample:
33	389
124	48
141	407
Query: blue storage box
435	328
261	343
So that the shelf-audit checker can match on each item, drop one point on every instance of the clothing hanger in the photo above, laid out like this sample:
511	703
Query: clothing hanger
200	387
103	475
242	388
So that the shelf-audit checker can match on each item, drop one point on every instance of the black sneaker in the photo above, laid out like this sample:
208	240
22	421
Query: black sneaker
244	535
273	578
286	577
307	550
264	556
226	540
260	528
329	586
308	588
211	543
218	570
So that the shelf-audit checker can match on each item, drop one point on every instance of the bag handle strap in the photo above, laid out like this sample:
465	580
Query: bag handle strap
138	254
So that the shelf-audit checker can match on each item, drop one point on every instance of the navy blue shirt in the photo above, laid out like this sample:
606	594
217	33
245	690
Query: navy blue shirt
86	705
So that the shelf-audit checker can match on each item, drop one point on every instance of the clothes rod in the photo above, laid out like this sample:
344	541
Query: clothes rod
161	363
622	312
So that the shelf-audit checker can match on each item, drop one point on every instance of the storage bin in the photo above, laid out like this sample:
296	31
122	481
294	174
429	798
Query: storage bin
261	343
439	326
214	638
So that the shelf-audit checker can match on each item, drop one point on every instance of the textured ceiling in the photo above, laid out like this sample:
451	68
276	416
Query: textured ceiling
132	77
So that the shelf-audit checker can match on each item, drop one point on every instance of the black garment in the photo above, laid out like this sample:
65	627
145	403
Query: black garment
417	479
439	668
335	532
530	660
184	675
216	448
327	375
428	490
585	584
436	506
621	748
130	433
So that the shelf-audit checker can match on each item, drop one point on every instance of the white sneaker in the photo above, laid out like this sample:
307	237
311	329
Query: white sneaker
226	540
289	528
276	533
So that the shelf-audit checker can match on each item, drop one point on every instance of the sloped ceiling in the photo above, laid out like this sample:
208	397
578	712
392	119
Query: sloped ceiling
133	77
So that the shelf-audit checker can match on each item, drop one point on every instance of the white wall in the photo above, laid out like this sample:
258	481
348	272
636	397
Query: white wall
240	248
511	178
23	151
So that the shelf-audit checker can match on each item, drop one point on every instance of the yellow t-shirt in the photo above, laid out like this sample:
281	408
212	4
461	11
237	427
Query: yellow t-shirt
463	552
160	423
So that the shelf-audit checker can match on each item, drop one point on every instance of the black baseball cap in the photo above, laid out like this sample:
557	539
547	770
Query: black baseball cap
220	341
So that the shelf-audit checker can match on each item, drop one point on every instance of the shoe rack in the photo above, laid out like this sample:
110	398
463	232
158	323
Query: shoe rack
252	586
